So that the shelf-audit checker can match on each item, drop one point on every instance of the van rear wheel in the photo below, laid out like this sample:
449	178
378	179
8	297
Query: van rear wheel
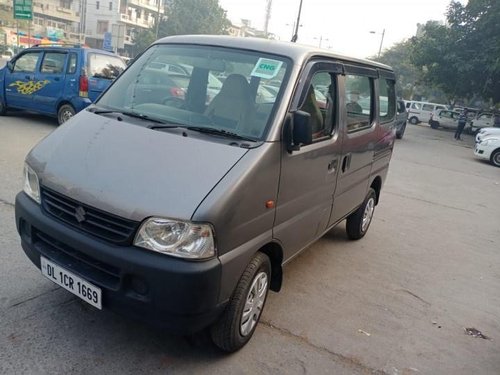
359	221
238	321
65	113
413	120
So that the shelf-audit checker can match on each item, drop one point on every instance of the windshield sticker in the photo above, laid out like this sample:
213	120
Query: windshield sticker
266	68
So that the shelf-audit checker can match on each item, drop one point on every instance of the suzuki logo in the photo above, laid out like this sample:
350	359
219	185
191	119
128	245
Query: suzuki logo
80	214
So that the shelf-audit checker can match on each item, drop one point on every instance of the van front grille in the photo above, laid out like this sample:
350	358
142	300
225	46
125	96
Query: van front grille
88	219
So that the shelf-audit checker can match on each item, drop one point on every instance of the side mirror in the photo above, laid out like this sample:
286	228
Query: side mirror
10	66
298	131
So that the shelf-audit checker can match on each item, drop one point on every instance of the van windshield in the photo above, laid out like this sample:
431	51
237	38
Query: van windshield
202	86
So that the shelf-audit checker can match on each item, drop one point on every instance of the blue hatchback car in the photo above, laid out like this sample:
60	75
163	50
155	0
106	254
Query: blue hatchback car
57	80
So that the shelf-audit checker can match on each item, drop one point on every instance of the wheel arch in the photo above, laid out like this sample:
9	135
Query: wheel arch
377	186
275	254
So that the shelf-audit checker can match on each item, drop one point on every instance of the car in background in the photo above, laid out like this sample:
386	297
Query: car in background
482	120
488	148
486	132
57	80
421	111
401	118
444	118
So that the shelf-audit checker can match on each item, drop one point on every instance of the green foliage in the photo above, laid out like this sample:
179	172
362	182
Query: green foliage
142	40
463	59
194	17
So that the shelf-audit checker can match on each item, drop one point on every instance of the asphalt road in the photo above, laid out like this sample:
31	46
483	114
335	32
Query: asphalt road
395	302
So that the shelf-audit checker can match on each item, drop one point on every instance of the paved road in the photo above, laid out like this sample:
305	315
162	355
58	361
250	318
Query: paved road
396	302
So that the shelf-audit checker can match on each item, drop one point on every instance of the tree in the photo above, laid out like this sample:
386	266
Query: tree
194	17
142	40
463	58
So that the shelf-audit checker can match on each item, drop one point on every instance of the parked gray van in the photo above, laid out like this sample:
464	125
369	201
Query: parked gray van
179	207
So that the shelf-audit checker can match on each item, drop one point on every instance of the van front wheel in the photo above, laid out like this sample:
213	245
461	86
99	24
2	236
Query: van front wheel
238	321
65	113
359	221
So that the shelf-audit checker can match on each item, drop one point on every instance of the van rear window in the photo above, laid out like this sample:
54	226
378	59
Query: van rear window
105	66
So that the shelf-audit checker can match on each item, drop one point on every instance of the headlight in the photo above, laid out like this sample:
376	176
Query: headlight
178	238
31	185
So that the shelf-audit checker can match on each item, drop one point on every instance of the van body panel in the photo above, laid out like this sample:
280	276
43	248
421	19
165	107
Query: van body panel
84	163
236	208
306	192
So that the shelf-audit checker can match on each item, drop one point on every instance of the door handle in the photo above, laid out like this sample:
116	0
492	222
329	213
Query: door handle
57	79
346	162
332	166
28	77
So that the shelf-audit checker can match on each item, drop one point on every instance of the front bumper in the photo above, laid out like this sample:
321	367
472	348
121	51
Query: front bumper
181	296
482	152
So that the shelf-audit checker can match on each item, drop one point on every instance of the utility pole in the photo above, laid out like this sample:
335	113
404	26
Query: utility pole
268	16
297	24
158	19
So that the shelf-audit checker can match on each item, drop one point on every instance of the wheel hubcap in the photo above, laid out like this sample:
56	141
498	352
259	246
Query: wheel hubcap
254	303
368	214
66	115
496	159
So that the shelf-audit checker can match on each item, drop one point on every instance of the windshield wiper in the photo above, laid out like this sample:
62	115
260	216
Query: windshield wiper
224	133
127	113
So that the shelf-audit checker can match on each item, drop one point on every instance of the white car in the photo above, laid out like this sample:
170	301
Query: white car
489	148
483	120
444	118
486	132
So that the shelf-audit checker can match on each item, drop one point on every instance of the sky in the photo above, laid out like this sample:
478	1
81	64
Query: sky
344	26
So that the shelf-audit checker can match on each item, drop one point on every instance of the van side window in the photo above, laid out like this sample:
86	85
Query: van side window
428	107
72	64
53	62
416	105
358	94
387	96
320	102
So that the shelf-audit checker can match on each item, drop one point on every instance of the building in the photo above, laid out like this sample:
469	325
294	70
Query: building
127	16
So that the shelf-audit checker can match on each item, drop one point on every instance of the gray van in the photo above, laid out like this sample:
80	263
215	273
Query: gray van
181	210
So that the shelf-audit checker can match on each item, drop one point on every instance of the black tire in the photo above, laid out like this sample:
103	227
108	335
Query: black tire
3	108
356	227
413	120
434	124
66	111
495	158
400	133
227	333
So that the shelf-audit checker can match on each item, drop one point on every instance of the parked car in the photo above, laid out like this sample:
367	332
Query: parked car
444	118
486	132
401	118
57	80
183	216
421	111
488	148
482	120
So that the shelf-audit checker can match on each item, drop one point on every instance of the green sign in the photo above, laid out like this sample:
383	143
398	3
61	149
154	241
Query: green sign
23	9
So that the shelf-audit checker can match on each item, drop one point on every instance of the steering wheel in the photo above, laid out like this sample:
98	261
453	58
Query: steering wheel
173	101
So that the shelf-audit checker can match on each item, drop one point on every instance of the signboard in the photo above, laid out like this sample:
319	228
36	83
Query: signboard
107	42
23	9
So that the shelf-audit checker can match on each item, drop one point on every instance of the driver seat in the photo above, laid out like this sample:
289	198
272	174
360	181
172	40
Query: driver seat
233	106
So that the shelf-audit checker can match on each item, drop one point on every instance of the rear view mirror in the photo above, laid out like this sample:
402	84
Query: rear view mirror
298	131
10	66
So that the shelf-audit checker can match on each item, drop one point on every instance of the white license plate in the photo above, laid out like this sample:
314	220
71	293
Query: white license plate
69	281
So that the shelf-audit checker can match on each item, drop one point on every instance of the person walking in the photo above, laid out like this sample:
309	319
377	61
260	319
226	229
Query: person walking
462	120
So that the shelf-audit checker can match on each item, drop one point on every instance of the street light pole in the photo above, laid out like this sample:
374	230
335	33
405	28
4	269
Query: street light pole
381	41
297	24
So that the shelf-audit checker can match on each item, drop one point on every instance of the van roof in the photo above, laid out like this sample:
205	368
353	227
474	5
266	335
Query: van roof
297	52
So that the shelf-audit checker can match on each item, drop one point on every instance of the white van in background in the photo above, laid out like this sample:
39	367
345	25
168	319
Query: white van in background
421	111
